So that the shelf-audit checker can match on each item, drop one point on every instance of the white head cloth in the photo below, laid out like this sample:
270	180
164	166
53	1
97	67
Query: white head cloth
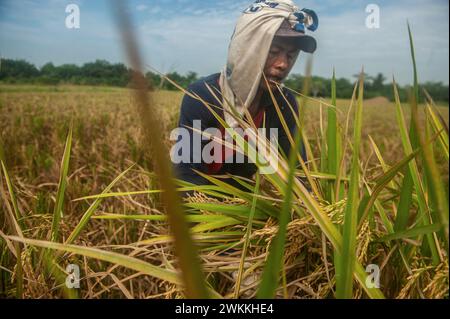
248	51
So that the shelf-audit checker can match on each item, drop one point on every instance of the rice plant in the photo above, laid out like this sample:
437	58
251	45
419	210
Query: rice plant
312	229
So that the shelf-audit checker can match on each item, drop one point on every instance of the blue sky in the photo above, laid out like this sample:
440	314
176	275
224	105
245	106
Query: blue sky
193	35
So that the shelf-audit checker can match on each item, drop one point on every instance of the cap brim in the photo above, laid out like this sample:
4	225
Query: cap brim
304	42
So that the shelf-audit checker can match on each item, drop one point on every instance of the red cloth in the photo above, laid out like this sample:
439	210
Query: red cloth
214	168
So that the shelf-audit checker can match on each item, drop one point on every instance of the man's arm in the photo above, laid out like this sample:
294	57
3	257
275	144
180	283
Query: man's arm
192	110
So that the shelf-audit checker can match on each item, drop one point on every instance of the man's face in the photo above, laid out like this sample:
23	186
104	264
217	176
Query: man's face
282	56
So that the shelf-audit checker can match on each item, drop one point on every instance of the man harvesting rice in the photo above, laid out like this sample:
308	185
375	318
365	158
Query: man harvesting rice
264	47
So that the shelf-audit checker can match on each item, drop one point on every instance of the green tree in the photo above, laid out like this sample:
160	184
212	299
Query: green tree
378	82
17	69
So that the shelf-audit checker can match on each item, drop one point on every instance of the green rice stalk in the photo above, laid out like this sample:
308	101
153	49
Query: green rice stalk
105	193
382	212
380	158
192	274
407	187
15	227
236	211
301	193
264	208
331	162
417	140
412	178
58	209
438	196
383	181
47	259
342	169
198	218
348	258
92	208
115	258
308	149
272	269
428	132
12	195
412	232
333	143
438	126
214	225
247	239
53	269
292	142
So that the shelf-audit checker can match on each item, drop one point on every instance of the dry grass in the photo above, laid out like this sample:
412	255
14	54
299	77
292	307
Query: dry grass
106	141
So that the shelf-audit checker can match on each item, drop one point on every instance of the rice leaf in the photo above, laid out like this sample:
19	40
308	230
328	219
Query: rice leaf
200	218
16	226
272	269
92	208
274	263
413	232
333	141
416	140
438	196
438	126
58	209
247	239
237	211
383	180
185	250
115	258
12	196
348	258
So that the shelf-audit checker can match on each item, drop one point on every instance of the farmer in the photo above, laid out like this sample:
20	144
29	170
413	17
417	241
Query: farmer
267	40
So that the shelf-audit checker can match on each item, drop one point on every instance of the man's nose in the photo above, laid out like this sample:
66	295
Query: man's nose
282	62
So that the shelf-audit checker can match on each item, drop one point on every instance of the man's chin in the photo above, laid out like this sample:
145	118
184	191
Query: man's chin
272	84
273	87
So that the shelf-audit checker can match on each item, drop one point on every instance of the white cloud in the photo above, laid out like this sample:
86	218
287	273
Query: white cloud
345	42
141	7
187	42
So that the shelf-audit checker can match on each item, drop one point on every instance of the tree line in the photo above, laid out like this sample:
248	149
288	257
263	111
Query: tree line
373	86
102	72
